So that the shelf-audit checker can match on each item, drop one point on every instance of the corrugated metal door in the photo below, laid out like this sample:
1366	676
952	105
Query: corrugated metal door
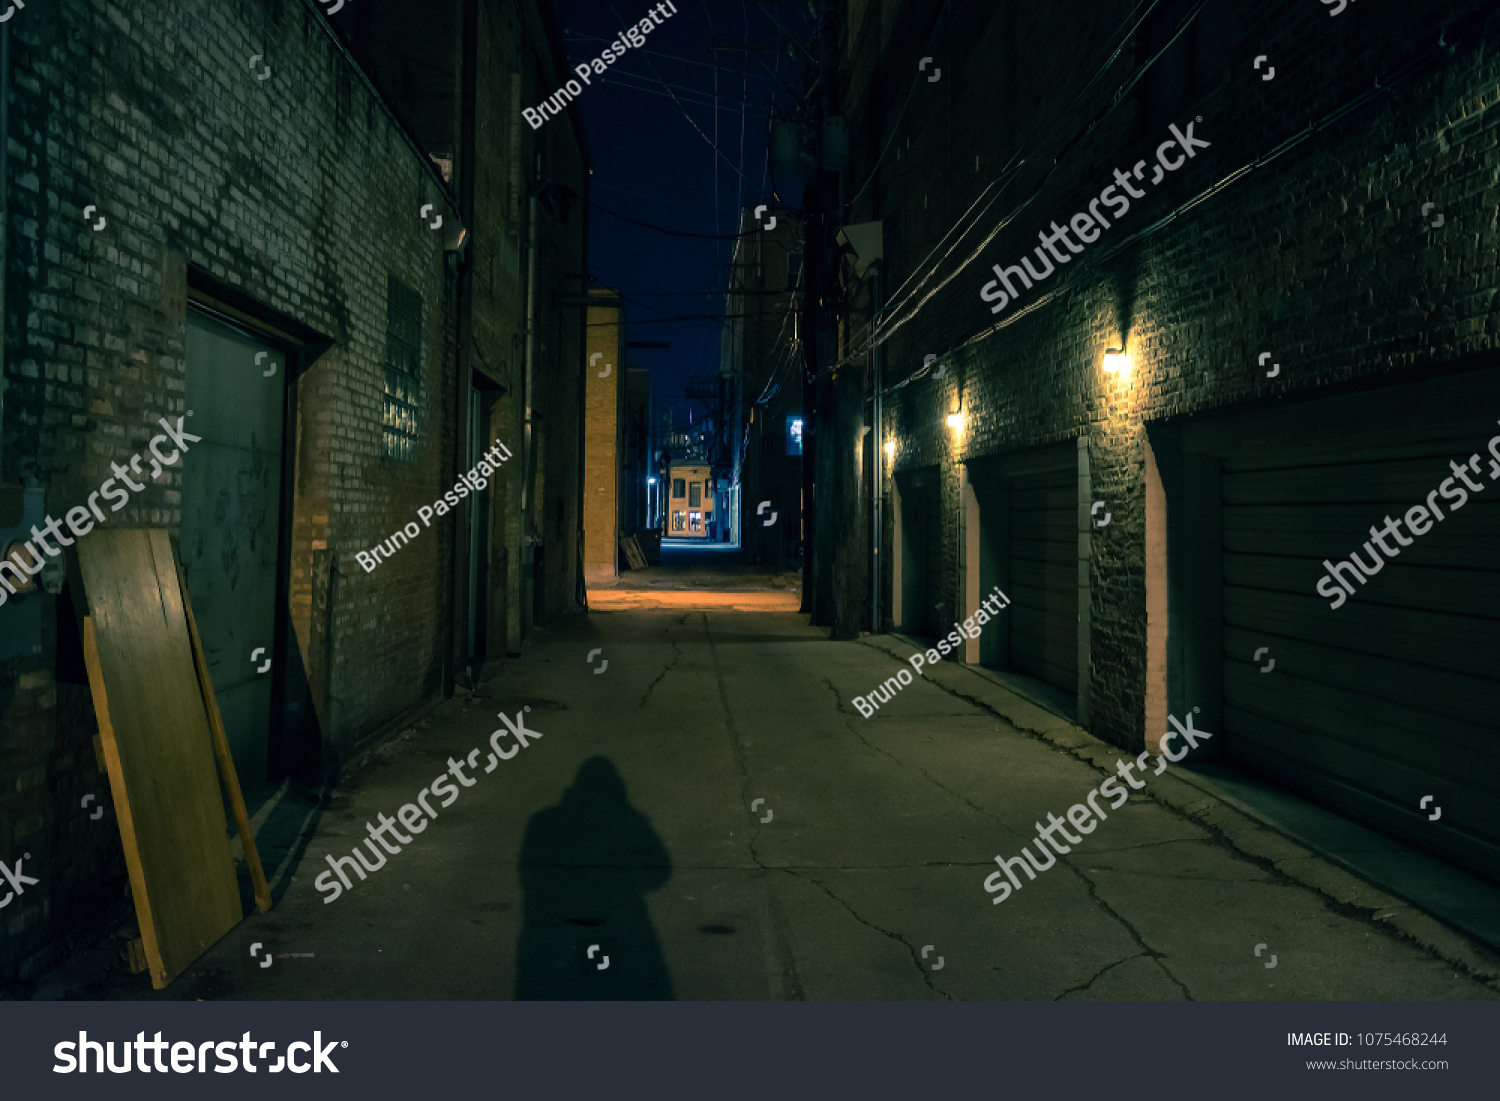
1043	571
1391	697
231	524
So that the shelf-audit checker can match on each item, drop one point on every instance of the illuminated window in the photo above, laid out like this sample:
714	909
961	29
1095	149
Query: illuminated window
677	519
403	369
695	521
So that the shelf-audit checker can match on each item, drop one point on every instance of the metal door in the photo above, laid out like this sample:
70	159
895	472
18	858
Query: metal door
231	525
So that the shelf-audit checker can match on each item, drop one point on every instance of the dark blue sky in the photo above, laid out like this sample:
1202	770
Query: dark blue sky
650	164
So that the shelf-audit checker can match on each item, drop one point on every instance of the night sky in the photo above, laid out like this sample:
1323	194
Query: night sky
650	164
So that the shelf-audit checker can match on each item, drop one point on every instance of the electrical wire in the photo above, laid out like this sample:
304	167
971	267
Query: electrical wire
888	325
896	303
669	232
1382	85
694	125
577	37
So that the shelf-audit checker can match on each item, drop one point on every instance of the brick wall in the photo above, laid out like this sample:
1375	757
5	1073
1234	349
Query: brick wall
603	433
1318	255
301	194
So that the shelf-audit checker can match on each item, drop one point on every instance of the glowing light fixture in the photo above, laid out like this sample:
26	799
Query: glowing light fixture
1115	360
890	447
650	481
956	420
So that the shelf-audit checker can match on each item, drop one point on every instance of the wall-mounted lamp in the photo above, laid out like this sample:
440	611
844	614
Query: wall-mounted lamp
956	420
1115	360
890	447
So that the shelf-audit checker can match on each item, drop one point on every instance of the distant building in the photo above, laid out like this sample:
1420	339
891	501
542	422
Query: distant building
761	362
690	508
604	436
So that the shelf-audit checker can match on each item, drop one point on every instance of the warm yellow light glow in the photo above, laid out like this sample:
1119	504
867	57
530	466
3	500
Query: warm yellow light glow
956	420
890	447
1116	360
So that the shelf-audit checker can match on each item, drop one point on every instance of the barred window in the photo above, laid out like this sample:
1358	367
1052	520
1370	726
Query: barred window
403	369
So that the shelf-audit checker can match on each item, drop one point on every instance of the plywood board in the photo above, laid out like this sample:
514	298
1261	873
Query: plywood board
157	746
226	758
633	553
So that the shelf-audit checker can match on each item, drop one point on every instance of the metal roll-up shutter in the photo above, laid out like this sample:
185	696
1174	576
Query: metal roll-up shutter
1043	617
1391	697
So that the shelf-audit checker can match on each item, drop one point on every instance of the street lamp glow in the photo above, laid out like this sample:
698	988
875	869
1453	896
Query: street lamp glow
1115	360
890	447
956	421
650	481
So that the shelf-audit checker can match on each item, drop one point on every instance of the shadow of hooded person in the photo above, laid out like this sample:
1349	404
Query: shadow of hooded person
586	865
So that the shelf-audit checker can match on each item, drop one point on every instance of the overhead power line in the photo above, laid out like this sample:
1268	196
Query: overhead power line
670	232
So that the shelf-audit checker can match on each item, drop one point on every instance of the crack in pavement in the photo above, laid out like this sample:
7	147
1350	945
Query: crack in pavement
1089	884
1095	978
853	729
1158	958
682	622
922	970
785	960
1222	837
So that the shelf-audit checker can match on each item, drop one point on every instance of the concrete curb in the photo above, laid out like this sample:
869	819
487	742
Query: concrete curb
1256	840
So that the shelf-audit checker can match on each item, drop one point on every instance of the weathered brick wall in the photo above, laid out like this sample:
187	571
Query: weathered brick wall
602	433
1318	256
299	191
560	367
501	154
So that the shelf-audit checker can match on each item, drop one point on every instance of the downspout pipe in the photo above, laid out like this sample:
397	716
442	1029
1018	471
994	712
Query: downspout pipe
460	655
877	448
4	207
528	471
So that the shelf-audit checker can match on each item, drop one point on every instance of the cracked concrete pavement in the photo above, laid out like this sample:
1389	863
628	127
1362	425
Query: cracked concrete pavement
882	833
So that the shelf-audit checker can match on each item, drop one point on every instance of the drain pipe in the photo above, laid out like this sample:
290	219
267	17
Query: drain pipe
877	448
4	205
528	469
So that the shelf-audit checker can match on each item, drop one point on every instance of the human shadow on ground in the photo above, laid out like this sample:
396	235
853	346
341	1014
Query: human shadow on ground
586	865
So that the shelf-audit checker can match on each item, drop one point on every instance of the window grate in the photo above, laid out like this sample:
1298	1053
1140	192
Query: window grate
403	369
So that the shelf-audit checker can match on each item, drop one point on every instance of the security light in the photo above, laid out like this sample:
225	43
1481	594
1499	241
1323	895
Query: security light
1115	360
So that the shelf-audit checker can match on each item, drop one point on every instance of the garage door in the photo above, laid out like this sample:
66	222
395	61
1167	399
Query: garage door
1390	698
1044	574
921	553
1028	547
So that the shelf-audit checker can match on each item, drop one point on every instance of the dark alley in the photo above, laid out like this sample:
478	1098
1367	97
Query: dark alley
797	547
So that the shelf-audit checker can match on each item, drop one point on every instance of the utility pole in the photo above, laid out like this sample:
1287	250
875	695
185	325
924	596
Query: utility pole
833	406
